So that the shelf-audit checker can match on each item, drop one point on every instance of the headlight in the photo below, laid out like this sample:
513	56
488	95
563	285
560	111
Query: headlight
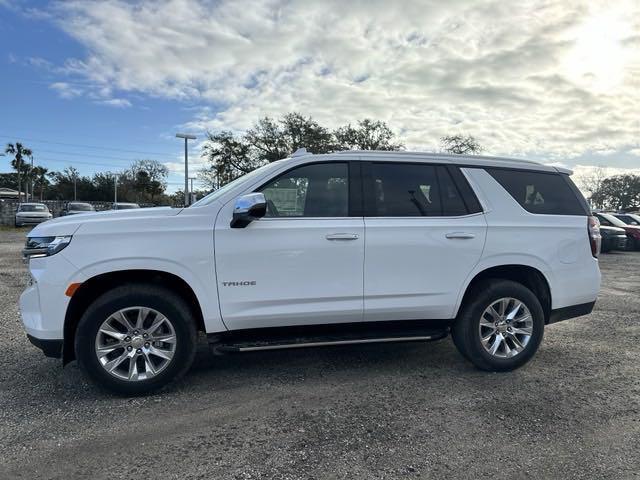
44	246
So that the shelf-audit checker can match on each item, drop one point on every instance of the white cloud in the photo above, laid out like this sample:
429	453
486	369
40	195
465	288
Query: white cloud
66	90
115	102
517	75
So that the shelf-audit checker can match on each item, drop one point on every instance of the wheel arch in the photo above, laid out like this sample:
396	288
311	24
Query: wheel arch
527	275
95	286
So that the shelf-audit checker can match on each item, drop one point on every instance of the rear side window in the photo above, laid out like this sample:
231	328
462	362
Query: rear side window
540	192
414	190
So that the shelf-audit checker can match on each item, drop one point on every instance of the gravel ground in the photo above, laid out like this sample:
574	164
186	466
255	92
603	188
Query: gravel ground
376	411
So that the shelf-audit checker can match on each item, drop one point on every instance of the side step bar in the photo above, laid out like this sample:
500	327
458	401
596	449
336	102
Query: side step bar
221	347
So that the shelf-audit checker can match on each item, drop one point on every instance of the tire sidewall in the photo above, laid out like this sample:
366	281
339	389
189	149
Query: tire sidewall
165	302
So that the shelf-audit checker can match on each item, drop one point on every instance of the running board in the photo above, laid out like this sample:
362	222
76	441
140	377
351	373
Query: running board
222	347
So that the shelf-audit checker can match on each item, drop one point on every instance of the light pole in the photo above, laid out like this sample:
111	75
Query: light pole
186	137
192	179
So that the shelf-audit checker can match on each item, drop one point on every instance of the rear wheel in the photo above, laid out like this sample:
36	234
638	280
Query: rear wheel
500	327
135	339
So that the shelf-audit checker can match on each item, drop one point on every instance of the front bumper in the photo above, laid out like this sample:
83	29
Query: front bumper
31	220
50	348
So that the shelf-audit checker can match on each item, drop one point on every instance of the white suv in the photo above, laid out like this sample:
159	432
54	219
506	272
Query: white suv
345	248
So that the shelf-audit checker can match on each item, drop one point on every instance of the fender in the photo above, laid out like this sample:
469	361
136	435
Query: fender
501	260
207	297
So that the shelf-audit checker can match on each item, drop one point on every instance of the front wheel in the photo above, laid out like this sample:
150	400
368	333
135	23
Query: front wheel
136	339
500	327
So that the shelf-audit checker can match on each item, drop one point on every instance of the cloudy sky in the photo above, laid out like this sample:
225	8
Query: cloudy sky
97	84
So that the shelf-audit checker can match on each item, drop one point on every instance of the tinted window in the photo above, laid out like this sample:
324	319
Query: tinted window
542	193
33	208
318	190
414	190
609	220
452	203
628	219
81	207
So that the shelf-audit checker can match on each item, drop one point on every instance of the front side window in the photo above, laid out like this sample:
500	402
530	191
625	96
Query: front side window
414	190
316	190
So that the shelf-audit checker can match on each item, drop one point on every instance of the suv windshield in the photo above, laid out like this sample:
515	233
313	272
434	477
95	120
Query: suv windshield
213	196
609	220
33	208
81	207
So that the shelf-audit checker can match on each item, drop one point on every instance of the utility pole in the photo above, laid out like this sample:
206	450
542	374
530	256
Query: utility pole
74	186
115	191
19	158
186	165
31	175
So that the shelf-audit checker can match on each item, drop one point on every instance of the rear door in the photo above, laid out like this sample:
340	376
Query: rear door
425	232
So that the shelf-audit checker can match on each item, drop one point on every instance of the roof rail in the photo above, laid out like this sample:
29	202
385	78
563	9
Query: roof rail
437	155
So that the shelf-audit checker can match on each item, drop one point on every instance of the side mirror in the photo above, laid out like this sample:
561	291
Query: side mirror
248	208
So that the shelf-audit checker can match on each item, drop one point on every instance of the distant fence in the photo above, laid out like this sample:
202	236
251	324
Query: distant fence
8	208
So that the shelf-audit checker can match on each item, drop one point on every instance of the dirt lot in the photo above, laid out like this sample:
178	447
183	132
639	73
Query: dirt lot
385	411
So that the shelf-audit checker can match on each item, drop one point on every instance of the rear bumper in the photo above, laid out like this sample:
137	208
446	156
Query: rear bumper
618	242
51	348
573	311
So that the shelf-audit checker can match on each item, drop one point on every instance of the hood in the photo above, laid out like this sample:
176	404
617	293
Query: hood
69	224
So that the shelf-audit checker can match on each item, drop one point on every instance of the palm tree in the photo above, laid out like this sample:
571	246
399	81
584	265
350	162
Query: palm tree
40	177
18	151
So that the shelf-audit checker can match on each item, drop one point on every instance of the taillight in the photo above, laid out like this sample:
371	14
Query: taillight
593	226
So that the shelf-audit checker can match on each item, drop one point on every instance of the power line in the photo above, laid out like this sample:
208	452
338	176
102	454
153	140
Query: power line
98	147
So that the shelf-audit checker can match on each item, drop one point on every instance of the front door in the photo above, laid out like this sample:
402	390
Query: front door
302	263
425	234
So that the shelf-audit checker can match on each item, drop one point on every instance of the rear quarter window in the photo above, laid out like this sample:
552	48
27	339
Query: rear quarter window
541	192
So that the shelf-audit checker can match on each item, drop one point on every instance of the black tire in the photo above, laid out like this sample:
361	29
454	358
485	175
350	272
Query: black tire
158	298
465	331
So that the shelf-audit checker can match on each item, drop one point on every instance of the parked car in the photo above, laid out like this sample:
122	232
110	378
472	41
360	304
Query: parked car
75	208
628	218
31	214
633	231
314	250
613	238
124	206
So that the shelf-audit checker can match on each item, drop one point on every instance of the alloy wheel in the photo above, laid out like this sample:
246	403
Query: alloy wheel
506	327
135	343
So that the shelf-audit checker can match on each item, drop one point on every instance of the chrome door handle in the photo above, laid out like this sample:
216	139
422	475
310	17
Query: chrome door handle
462	235
342	236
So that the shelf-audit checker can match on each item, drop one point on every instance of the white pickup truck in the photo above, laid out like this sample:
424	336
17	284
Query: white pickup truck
346	248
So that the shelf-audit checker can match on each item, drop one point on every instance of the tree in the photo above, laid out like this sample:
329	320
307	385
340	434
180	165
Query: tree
150	177
367	135
70	185
590	182
229	158
620	192
461	144
18	151
40	179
